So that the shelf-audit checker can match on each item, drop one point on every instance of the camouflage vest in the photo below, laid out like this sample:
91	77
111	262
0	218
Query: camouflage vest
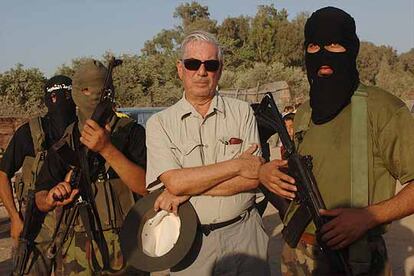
113	198
31	165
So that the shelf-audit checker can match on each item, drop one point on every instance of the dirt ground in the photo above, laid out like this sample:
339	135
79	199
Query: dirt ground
400	241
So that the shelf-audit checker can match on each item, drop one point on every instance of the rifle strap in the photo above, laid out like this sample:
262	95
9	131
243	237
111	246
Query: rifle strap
95	235
70	214
38	139
359	253
89	215
359	149
37	133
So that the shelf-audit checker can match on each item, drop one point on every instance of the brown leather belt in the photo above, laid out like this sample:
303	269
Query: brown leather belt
309	239
206	229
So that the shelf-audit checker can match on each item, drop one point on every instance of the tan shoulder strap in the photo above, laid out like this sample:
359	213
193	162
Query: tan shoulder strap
359	148
38	135
38	138
68	132
359	253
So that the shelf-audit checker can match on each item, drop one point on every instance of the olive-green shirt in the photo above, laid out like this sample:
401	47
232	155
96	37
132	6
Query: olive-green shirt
390	146
179	137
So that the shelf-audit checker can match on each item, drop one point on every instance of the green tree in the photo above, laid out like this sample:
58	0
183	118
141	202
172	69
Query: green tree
69	70
165	42
369	60
266	33
406	61
263	48
194	16
233	35
22	91
394	80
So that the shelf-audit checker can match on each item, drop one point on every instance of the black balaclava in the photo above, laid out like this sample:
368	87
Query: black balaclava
329	95
61	108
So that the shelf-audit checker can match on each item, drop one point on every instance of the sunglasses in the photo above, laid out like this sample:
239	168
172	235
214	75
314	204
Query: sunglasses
192	64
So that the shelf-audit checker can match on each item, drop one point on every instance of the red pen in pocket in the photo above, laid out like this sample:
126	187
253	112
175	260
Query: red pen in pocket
235	141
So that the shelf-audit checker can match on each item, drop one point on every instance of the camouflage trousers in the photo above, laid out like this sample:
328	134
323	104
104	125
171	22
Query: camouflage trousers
75	258
307	259
38	263
42	228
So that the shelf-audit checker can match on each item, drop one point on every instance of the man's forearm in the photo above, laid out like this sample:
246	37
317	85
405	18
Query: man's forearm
41	202
399	206
233	186
129	172
197	180
6	196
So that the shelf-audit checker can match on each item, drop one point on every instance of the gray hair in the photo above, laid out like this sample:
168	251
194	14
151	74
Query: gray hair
200	35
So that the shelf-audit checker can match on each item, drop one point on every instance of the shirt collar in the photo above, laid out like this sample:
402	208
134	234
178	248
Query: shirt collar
217	104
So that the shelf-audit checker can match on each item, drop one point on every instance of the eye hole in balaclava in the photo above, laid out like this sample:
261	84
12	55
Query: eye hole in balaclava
330	94
61	110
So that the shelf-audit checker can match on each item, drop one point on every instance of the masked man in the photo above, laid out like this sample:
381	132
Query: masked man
91	243
26	150
360	139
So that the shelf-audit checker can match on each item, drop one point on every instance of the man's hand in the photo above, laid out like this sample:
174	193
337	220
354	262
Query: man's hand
16	228
60	195
346	226
250	164
276	181
169	202
94	137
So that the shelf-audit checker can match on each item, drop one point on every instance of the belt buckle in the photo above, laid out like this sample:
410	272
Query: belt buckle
206	229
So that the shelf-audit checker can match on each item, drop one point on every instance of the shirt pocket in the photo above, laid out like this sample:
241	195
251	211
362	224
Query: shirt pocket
189	155
228	151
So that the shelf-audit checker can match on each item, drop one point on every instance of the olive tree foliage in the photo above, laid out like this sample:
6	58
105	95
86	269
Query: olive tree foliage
22	91
265	47
369	60
69	70
406	61
394	79
194	16
276	39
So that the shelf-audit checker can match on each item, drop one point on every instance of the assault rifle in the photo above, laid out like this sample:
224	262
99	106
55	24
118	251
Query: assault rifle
280	203
85	171
26	240
307	196
105	108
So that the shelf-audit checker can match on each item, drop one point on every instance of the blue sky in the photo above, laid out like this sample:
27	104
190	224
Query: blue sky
48	33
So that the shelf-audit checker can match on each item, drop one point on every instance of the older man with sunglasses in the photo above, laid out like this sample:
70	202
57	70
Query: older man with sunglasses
205	149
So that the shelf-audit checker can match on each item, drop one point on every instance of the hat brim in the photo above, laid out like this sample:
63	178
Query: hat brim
130	236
